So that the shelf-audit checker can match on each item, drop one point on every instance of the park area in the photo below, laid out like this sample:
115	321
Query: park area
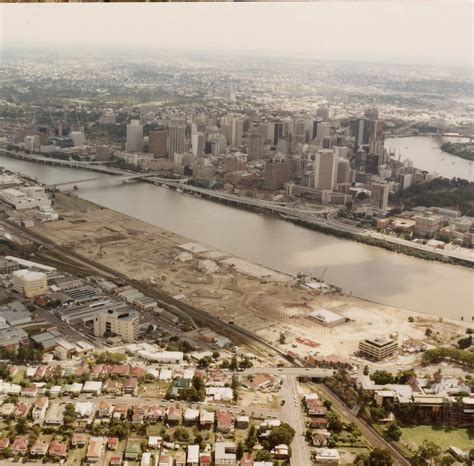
445	437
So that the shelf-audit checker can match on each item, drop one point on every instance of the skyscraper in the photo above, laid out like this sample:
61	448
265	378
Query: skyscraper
323	131
379	196
324	169
276	174
255	149
158	143
300	131
237	131
360	131
376	137
197	143
176	137
323	113
134	141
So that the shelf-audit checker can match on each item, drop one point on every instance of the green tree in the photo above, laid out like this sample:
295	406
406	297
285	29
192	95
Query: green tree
239	450
428	452
382	377
181	434
393	432
366	370
379	457
334	424
284	433
251	439
21	426
263	455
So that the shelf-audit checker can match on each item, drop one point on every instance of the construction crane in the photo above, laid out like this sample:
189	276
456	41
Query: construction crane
322	275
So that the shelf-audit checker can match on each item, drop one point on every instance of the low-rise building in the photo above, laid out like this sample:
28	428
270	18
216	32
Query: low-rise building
377	348
29	282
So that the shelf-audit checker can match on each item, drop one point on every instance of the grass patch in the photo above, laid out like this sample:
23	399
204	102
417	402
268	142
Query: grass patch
443	436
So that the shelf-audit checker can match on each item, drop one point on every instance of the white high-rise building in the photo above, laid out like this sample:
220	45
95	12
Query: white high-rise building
177	136
325	169
134	137
323	131
197	144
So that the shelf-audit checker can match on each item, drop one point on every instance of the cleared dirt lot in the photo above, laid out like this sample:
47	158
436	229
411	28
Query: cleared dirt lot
262	300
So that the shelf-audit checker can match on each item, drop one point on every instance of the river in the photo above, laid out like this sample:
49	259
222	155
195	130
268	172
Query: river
366	271
425	153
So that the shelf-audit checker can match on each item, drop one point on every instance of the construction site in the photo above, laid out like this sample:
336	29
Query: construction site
273	305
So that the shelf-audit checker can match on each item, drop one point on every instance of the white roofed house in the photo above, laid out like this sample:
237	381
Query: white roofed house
193	455
39	408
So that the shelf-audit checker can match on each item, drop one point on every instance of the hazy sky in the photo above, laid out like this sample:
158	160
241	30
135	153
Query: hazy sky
425	32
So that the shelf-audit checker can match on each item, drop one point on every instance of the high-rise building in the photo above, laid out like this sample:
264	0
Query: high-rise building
134	137
276	174
324	169
255	149
372	113
379	196
323	113
237	131
343	174
376	145
277	132
300	131
158	143
197	143
323	131
217	144
78	138
177	137
360	131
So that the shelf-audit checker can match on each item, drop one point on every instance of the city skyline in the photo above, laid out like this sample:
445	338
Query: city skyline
401	32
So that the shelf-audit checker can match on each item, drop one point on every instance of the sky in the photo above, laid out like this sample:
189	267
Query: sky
422	32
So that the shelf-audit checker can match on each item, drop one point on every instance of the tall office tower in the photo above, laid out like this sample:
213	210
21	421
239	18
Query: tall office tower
324	169
372	113
323	113
176	137
277	132
255	149
217	143
343	174
197	144
323	131
379	197
300	131
360	131
134	137
237	131
376	137
276	174
158	143
313	133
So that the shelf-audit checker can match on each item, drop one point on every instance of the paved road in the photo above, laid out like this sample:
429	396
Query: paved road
349	416
293	415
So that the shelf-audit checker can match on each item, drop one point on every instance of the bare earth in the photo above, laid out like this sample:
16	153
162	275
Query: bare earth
254	297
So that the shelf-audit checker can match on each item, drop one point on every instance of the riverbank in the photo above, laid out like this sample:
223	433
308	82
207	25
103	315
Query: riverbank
372	273
459	149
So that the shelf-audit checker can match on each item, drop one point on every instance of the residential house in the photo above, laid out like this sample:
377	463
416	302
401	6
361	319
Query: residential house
20	446
79	440
192	458
120	412
116	459
155	414
174	415
112	443
130	386
281	452
104	410
206	419
39	448
225	454
225	422
39	409
132	450
95	449
57	449
21	409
